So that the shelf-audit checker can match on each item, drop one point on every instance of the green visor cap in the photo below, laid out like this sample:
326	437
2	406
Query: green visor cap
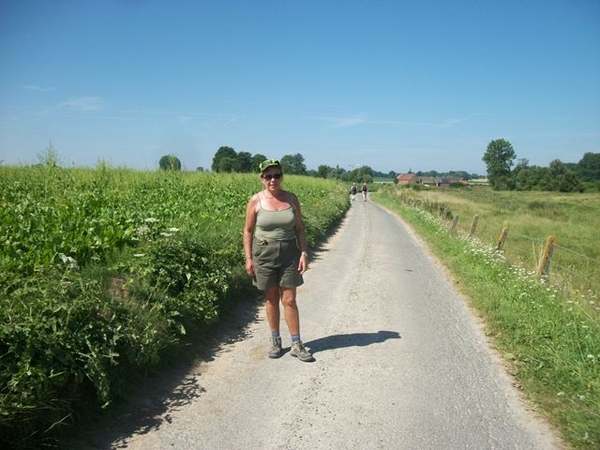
268	163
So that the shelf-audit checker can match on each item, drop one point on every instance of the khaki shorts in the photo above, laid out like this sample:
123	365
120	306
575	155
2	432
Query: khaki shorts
276	264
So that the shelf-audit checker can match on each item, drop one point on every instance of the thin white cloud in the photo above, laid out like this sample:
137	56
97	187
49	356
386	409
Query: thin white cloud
351	121
449	123
85	103
37	88
344	122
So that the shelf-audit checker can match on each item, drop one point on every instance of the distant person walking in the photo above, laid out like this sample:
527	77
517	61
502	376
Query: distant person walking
276	254
353	191
365	190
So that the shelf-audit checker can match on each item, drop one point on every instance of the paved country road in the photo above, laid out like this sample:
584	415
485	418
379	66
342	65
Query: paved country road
401	363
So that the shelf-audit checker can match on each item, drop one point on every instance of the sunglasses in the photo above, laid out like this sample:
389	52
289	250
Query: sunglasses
270	176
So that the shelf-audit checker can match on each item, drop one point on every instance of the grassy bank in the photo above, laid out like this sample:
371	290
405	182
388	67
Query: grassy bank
103	272
548	334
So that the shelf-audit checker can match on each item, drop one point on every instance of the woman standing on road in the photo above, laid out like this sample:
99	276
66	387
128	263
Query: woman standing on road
276	254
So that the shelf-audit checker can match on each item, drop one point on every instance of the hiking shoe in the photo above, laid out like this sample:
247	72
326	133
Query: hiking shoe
299	351
275	351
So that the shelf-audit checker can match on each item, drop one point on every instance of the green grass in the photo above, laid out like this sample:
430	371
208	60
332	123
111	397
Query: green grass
531	218
549	335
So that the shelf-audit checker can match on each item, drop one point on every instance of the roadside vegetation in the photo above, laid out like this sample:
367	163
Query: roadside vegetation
547	330
105	272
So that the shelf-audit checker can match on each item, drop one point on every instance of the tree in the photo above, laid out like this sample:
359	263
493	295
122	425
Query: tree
50	158
499	158
244	162
363	174
223	152
226	164
256	160
169	162
557	168
323	171
588	169
293	164
569	183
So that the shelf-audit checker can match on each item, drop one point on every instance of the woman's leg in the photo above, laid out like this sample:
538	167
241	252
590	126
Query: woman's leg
272	307
292	318
290	310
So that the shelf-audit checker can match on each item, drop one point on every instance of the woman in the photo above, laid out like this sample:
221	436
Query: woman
276	254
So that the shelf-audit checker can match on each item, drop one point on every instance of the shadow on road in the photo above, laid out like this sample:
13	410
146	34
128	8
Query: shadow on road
150	401
350	340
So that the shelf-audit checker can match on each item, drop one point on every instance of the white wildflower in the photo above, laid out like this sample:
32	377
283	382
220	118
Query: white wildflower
144	229
69	260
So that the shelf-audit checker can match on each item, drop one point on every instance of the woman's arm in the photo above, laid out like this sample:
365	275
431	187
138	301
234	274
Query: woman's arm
249	225
300	235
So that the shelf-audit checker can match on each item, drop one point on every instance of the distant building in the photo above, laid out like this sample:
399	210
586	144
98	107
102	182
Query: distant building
407	178
411	178
430	181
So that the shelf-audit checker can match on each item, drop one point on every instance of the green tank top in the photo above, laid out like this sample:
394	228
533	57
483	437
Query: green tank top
275	225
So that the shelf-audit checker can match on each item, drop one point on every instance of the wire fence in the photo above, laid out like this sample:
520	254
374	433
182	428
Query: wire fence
531	243
562	267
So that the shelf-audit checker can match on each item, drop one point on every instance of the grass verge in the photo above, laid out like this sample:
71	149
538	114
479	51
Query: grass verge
549	341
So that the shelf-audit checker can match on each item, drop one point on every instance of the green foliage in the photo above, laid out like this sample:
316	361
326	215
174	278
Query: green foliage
588	169
170	162
103	271
293	164
226	159
223	160
50	157
558	176
499	158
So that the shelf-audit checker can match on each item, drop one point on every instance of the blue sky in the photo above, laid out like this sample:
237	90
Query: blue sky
395	85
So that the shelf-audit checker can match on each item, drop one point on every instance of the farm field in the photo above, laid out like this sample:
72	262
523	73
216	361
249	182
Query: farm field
104	271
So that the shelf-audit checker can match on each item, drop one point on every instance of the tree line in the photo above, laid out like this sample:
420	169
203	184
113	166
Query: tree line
226	159
500	156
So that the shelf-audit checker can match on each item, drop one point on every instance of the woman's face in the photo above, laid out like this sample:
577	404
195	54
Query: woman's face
272	177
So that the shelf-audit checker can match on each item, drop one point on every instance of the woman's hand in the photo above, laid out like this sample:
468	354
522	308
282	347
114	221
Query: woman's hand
250	267
303	263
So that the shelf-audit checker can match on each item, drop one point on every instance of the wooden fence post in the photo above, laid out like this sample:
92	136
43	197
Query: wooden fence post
544	267
474	225
454	222
502	239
